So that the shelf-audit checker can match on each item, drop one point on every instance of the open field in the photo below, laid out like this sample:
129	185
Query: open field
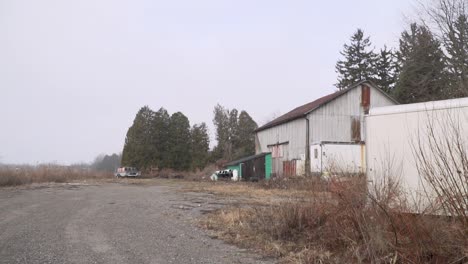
110	220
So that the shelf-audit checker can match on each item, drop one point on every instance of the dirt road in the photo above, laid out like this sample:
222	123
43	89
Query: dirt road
109	223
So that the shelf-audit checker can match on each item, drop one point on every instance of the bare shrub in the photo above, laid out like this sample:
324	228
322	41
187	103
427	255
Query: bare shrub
295	183
351	225
442	162
197	175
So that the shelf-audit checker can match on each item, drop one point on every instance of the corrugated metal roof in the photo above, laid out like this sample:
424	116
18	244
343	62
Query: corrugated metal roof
247	159
303	110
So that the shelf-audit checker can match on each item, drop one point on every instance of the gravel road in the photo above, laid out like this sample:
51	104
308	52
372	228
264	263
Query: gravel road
109	223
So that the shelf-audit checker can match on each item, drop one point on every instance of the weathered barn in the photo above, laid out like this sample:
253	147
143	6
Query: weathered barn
337	118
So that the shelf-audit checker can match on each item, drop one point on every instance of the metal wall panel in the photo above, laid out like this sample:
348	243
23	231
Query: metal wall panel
333	121
338	157
293	132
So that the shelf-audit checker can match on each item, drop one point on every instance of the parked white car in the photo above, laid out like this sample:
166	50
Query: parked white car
127	172
223	174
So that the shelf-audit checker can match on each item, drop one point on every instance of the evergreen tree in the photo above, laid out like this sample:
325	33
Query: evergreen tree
246	135
200	146
385	69
234	133
358	63
233	141
179	142
221	122
421	61
138	150
160	139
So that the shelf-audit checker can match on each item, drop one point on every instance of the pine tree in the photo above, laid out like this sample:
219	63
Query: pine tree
138	150
221	123
160	139
385	69
226	123
422	67
246	135
200	146
358	63
233	143
179	142
234	133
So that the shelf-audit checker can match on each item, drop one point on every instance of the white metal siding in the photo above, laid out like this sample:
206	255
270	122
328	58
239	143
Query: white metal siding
293	131
332	121
338	158
378	99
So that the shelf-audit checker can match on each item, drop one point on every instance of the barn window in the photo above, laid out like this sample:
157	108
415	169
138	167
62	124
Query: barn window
365	98
315	153
355	129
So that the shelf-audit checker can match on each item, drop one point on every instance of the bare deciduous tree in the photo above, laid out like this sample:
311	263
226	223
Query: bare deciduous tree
449	21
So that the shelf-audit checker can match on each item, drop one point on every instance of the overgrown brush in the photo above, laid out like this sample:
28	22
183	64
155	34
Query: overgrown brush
299	183
197	175
350	227
10	176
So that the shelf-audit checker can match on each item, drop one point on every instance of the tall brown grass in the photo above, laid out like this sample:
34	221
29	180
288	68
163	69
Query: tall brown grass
197	175
12	176
350	226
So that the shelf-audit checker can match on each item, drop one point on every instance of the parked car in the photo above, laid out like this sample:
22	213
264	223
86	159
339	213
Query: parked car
127	172
225	174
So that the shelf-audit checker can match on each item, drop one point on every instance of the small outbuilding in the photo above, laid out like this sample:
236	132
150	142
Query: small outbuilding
253	168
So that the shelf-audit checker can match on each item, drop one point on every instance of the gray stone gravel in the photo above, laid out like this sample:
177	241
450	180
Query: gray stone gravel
109	223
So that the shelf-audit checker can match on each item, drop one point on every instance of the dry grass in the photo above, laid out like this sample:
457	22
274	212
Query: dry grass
263	192
47	173
198	175
343	227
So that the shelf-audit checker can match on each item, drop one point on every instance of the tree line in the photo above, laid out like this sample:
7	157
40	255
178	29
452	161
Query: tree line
234	133
104	162
157	140
430	63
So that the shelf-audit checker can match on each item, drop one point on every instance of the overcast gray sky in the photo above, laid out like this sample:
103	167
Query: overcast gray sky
73	74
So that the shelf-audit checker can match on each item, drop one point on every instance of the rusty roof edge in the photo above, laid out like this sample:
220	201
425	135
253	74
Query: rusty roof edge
342	92
371	83
279	123
304	115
